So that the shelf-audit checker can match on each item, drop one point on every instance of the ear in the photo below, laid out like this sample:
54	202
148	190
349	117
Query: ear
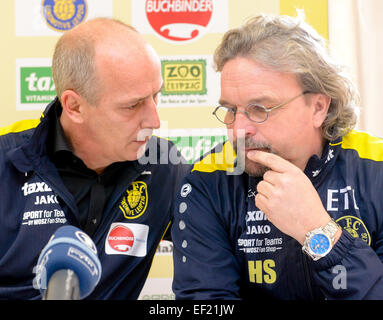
72	104
321	104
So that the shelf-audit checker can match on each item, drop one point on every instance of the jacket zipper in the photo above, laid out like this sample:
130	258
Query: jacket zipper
108	217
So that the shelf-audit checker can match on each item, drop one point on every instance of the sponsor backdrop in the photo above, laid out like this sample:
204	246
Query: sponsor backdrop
185	33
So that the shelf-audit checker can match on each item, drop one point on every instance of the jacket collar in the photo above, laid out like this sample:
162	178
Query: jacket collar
28	156
317	168
33	155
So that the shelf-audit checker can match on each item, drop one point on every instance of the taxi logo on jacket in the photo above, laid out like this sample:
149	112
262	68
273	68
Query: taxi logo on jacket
39	187
135	200
41	205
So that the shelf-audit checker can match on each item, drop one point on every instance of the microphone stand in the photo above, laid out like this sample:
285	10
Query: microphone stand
63	285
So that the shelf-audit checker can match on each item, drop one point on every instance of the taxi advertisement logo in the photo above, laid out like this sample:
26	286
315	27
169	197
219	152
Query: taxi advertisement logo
184	77
135	200
36	85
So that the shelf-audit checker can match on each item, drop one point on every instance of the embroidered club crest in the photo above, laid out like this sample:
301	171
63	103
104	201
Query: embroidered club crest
355	227
135	200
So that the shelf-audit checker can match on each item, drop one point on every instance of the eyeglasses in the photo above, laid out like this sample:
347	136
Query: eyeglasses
255	112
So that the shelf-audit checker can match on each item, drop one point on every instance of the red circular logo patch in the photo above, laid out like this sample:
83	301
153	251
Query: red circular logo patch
121	239
179	20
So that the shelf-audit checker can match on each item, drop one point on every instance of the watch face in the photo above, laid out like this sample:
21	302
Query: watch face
319	244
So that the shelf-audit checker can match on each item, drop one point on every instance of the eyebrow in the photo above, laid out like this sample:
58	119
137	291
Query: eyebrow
260	100
223	102
136	100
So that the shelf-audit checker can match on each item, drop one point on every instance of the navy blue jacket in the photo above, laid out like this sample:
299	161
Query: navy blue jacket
34	202
225	248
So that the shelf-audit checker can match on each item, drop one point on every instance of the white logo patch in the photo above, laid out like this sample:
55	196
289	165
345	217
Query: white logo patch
127	239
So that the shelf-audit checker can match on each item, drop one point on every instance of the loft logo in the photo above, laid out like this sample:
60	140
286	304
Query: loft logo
184	77
179	20
193	147
63	15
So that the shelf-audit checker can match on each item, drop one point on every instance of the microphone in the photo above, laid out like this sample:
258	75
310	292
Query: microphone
69	265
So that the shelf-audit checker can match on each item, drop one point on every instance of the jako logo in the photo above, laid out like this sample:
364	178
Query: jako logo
121	238
179	20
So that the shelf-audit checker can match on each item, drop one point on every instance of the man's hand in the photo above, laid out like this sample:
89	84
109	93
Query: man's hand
288	198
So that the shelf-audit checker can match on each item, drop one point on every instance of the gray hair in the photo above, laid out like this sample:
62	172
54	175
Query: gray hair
290	45
73	64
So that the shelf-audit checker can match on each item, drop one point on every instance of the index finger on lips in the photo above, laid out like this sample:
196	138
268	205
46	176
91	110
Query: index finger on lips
274	162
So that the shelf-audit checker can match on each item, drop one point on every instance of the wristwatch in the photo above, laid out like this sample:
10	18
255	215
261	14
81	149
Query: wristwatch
319	242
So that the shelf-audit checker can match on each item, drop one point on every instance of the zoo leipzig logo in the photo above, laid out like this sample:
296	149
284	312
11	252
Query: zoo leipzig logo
179	20
63	15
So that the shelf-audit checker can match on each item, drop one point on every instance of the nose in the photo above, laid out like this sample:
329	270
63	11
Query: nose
151	116
243	126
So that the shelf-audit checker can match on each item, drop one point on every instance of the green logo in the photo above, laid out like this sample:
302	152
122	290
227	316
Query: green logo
193	147
184	77
36	85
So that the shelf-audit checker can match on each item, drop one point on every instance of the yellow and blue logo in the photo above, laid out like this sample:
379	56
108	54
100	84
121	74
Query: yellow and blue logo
63	15
355	227
135	200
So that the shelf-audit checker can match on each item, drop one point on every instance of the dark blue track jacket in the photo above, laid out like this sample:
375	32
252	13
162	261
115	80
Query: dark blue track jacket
34	202
225	248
